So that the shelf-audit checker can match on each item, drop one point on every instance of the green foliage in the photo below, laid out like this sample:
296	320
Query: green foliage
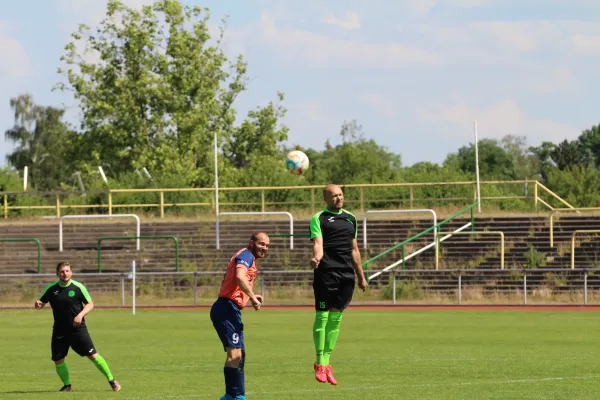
577	184
526	164
589	142
405	290
258	136
42	140
494	161
154	89
534	258
9	181
158	93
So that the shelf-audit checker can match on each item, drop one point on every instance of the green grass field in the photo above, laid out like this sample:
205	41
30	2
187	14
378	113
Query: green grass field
381	354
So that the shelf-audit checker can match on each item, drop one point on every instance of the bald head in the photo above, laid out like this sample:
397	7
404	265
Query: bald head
259	244
334	197
259	236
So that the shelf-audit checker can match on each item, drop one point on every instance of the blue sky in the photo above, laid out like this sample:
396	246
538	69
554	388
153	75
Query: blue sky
414	73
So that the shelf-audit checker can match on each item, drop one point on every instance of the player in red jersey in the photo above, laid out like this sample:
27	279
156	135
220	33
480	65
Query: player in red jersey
226	316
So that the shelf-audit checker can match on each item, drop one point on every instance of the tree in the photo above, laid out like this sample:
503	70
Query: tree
42	140
567	154
494	161
351	132
527	165
577	184
258	136
589	144
158	91
543	154
363	161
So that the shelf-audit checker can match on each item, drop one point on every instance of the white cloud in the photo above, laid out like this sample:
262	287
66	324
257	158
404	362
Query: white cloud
587	44
423	7
520	36
15	61
310	111
384	105
503	118
299	46
507	44
551	82
469	3
349	21
312	123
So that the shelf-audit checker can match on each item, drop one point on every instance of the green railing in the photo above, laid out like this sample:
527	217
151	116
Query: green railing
435	228
27	239
135	238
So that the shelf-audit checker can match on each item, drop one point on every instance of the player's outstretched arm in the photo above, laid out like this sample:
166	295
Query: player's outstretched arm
317	251
242	281
357	264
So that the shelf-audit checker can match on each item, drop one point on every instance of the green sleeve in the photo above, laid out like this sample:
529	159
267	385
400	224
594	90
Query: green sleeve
315	226
84	292
44	297
354	222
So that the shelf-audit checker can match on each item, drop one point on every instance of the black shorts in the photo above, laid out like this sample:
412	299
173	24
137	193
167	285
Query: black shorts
79	340
332	291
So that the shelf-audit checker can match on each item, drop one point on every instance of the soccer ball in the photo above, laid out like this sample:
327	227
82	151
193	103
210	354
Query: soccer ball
296	162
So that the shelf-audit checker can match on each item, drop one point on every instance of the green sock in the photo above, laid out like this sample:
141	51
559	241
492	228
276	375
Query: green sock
319	334
63	372
101	364
332	331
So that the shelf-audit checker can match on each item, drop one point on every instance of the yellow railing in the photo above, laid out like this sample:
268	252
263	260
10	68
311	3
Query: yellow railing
573	243
558	211
358	200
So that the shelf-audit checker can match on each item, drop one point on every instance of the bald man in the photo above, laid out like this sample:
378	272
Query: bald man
226	315
336	261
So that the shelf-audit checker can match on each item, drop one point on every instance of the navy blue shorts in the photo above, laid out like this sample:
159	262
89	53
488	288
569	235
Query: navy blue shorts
227	320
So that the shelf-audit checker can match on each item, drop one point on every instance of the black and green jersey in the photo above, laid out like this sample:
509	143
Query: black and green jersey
66	301
338	231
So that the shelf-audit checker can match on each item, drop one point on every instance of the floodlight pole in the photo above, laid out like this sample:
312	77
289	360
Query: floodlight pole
216	178
477	168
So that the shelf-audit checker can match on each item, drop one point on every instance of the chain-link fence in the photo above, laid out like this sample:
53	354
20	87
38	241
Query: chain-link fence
479	286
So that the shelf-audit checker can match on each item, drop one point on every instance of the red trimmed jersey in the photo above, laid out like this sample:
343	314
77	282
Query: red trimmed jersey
229	287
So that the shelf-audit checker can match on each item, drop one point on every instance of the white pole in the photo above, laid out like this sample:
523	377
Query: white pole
81	186
477	168
25	170
133	285
102	174
216	178
147	173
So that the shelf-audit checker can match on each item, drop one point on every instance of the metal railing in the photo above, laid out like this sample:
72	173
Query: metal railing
28	239
435	243
218	223
470	286
60	225
99	247
309	197
556	212
573	242
366	215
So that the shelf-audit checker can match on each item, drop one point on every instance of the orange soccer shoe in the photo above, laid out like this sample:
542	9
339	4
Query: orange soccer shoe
320	373
329	374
